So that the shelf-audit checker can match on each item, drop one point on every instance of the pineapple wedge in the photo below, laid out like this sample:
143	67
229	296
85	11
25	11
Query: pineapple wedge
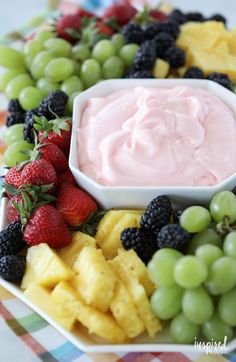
136	267
41	297
139	297
95	281
44	267
110	227
102	324
70	253
161	68
124	311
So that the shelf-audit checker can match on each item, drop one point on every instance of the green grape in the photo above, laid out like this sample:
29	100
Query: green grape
197	305
113	68
14	134
209	253
59	69
11	58
32	48
43	34
71	85
7	76
90	72
166	301
182	330
127	53
103	50
70	103
208	236
59	47
226	308
76	68
118	41
195	219
47	86
223	204
229	245
217	330
160	268
16	85
190	272
39	64
30	97
222	275
13	154
81	52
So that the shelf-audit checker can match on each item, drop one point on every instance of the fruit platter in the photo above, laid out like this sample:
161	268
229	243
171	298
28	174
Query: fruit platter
118	215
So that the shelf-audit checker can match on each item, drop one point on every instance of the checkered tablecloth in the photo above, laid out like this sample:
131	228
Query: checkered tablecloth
26	337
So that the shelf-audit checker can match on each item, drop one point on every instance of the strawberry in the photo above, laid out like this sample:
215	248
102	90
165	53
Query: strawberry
157	14
12	212
13	177
103	29
122	13
53	154
46	225
74	205
67	177
57	131
39	172
68	24
84	13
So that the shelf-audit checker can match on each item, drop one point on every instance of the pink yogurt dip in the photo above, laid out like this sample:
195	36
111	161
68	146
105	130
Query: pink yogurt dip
181	136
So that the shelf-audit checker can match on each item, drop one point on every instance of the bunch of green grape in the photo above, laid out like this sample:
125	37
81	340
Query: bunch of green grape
196	291
47	63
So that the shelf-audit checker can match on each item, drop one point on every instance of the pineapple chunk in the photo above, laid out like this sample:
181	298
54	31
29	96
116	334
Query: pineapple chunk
70	253
137	268
111	242
161	68
44	267
125	312
139	297
95	281
102	324
41	297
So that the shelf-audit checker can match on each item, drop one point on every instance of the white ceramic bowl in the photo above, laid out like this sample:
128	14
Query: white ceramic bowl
139	196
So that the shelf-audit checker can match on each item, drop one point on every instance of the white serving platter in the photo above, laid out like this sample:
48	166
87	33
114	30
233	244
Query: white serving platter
90	343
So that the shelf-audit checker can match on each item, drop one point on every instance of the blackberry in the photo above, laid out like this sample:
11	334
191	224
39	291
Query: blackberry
55	102
234	190
172	236
218	17
11	239
178	16
176	215
175	57
145	57
15	107
12	267
194	73
171	27
222	79
140	241
14	118
194	16
133	33
157	214
29	125
134	73
152	29
161	43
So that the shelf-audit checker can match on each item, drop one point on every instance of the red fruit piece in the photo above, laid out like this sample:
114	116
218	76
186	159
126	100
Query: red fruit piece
13	177
68	23
103	28
157	14
66	177
47	226
39	172
74	205
53	154
12	213
84	13
122	13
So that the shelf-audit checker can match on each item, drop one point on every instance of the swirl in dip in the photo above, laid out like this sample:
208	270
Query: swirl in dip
181	136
